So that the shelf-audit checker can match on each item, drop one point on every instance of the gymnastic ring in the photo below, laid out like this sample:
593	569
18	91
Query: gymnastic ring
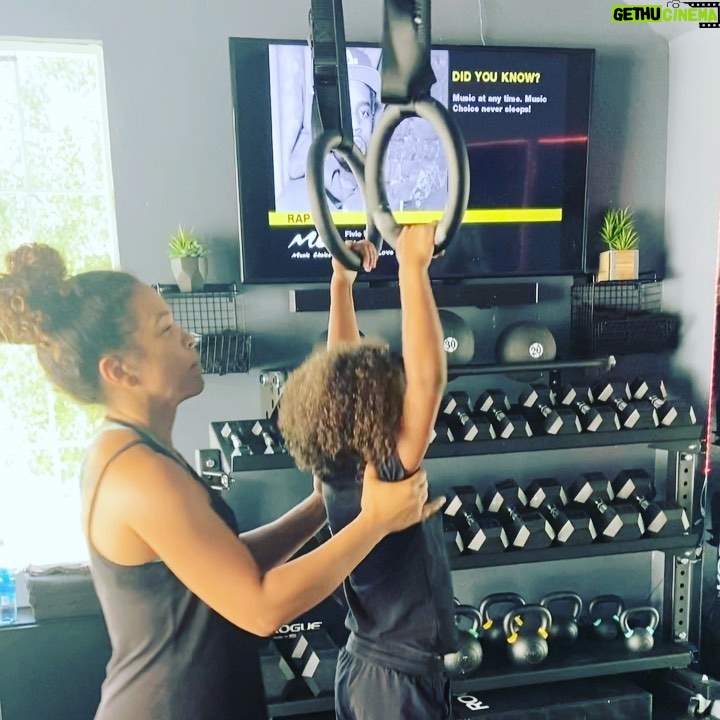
458	169
326	142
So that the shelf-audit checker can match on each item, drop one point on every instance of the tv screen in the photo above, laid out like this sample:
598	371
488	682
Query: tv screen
524	114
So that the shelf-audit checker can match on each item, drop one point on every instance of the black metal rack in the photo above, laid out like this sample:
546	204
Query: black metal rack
579	661
212	316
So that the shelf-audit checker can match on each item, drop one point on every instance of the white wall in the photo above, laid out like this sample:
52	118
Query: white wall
692	204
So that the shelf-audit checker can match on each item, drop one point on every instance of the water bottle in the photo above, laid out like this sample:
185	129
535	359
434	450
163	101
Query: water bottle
8	592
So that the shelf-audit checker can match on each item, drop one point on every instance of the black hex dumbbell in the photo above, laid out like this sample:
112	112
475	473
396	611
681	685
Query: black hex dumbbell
612	522
630	415
239	445
268	436
441	433
637	486
639	389
525	528
592	418
478	532
572	526
464	425
314	658
494	405
545	419
280	680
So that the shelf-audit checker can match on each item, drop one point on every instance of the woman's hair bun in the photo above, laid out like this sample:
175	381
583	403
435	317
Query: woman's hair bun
29	292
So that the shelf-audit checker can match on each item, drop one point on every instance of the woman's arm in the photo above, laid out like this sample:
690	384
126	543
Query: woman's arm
171	515
277	541
422	344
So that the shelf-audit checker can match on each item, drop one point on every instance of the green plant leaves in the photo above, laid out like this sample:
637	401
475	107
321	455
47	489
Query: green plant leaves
618	229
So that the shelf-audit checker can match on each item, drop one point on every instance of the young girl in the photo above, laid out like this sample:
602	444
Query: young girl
175	581
356	404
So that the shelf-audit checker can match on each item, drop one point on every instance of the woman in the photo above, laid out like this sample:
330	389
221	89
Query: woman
174	580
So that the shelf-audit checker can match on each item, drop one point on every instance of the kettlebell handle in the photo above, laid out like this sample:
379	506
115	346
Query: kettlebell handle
615	600
647	610
568	596
517	616
471	612
497	599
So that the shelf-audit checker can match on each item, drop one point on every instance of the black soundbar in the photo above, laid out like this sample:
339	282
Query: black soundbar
388	297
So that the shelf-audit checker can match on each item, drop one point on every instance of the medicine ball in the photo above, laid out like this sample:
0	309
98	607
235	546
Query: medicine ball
458	339
524	342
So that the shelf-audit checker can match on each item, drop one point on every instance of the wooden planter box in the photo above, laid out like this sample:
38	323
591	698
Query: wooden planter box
618	265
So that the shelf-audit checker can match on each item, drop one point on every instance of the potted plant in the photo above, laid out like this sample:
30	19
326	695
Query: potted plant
620	261
188	260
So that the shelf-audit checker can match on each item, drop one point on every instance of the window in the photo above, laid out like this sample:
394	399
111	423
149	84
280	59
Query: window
56	188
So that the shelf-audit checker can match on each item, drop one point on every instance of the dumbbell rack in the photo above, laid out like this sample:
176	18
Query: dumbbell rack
681	606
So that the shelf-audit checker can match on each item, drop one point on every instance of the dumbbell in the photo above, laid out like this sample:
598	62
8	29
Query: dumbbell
451	537
495	404
572	526
279	678
265	433
314	657
612	522
631	416
660	518
240	447
457	410
441	433
592	418
640	389
526	529
536	403
519	421
478	531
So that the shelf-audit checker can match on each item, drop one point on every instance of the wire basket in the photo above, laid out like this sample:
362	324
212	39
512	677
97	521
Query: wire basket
212	316
621	317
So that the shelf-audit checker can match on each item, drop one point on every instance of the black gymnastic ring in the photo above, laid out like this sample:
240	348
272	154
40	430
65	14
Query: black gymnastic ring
458	169
326	142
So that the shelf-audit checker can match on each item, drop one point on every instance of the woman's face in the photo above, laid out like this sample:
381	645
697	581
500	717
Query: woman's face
164	357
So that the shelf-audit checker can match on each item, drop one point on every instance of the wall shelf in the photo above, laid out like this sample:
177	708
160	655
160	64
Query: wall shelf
387	297
686	435
677	544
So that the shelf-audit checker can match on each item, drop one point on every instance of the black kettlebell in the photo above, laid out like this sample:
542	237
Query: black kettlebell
639	638
527	647
492	631
468	657
606	624
564	628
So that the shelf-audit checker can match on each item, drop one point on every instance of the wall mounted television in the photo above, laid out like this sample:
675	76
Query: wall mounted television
524	113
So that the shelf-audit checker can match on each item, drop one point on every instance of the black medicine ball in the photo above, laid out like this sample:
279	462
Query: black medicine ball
458	339
524	342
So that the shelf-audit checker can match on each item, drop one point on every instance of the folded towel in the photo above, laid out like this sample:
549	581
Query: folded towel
59	591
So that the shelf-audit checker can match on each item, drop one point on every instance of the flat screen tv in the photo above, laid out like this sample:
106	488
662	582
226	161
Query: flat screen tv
524	113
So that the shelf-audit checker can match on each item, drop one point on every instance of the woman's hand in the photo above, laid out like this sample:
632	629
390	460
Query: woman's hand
393	506
368	254
415	246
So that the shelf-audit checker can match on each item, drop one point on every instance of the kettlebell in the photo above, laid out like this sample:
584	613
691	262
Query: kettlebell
492	631
606	624
640	638
564	628
527	647
468	657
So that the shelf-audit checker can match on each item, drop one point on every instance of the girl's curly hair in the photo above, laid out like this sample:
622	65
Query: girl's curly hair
343	404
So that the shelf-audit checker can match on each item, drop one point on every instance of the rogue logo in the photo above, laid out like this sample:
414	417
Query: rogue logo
471	702
298	627
704	13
